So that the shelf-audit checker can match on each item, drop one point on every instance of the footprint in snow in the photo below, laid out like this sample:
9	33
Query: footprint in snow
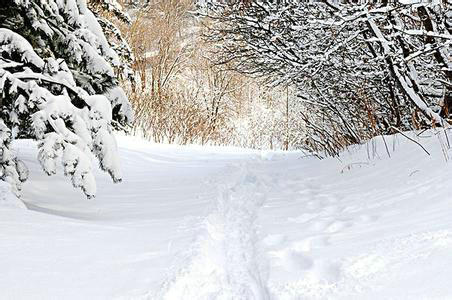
331	209
323	197
337	226
313	204
367	218
304	192
352	209
299	263
274	240
319	224
303	218
293	261
310	243
325	271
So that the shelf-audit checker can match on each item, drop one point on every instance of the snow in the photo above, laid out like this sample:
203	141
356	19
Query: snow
13	42
228	223
7	197
118	97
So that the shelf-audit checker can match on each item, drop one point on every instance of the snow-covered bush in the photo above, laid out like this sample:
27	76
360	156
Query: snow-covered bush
58	86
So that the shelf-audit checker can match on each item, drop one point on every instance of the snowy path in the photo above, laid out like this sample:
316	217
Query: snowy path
223	223
225	261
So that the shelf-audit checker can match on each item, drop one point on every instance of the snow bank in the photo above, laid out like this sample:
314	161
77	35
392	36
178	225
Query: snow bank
7	198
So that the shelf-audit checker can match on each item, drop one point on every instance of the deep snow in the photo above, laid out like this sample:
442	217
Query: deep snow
227	223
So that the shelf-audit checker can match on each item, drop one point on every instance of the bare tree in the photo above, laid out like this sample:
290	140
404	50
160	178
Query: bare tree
361	68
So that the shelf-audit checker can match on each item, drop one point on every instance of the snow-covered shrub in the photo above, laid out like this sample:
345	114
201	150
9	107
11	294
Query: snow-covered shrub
58	86
8	198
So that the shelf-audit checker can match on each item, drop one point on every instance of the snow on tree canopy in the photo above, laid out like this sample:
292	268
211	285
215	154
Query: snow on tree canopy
58	86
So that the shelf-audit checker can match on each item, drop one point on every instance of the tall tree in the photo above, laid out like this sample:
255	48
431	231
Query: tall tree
58	86
363	68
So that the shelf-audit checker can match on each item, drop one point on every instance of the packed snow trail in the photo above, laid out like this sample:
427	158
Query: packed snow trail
227	223
225	264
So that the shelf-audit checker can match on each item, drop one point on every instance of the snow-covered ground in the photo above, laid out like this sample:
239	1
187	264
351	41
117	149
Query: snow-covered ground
225	223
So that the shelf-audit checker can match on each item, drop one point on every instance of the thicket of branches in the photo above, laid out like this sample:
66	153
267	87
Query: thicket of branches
360	69
182	97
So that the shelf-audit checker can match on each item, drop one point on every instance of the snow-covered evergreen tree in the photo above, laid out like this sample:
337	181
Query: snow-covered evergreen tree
58	85
111	16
